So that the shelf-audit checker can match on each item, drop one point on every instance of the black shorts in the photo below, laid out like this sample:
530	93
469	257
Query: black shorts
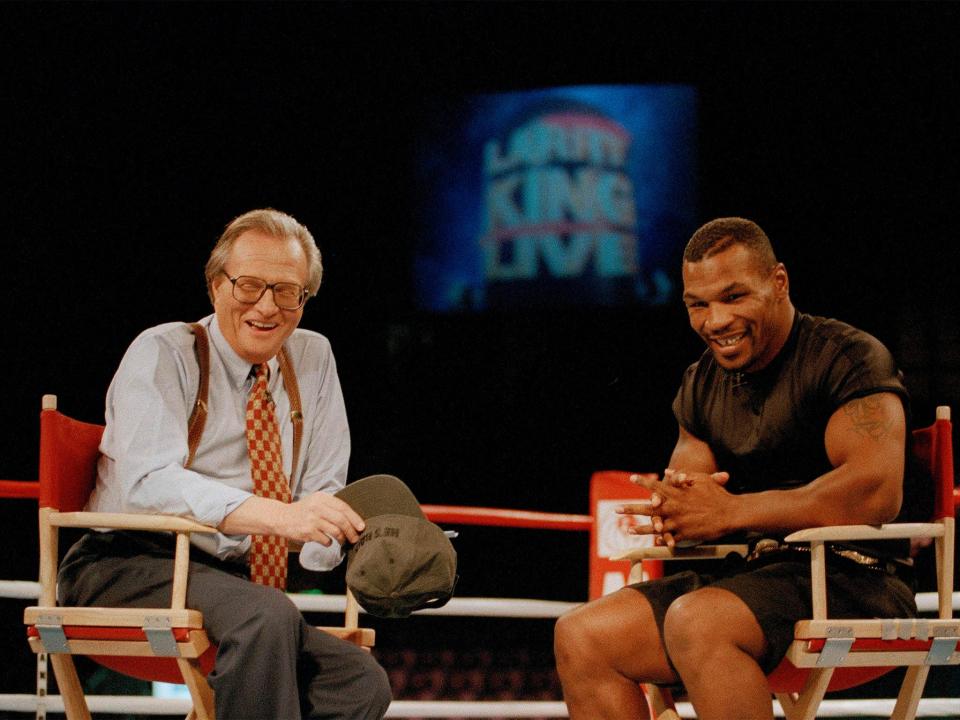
778	594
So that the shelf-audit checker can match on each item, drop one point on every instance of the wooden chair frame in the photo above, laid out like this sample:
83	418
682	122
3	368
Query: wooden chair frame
110	634
823	649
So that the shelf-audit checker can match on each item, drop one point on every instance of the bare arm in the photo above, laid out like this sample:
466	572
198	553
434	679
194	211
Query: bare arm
692	455
864	440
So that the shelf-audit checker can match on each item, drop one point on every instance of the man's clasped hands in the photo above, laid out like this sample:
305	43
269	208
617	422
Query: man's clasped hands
684	506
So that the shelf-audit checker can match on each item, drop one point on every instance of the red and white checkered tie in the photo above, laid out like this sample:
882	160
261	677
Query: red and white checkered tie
268	553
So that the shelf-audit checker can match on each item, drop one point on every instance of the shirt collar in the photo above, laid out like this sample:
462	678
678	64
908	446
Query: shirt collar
237	369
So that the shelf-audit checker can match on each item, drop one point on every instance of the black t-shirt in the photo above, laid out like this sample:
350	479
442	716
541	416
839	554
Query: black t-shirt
767	428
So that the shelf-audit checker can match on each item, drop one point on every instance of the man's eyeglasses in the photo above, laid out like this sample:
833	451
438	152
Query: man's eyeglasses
249	290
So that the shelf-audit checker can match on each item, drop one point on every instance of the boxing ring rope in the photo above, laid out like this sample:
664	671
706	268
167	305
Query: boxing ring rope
142	705
456	607
24	489
461	607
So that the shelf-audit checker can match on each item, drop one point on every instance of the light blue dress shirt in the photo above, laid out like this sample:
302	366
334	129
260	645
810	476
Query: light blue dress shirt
144	447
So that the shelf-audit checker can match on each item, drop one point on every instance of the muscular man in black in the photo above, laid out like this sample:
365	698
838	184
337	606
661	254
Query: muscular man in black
787	421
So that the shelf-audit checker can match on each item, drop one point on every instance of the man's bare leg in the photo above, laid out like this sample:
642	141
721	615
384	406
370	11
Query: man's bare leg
603	649
715	642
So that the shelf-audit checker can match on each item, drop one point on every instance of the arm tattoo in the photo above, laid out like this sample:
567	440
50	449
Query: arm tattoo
868	417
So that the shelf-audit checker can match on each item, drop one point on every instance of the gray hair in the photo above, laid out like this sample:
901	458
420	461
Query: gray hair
275	224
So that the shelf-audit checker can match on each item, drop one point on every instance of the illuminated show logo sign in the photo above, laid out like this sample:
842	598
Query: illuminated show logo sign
557	197
559	200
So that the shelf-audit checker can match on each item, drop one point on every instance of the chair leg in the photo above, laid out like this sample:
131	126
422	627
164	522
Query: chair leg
804	706
660	702
200	690
74	703
788	702
43	671
910	691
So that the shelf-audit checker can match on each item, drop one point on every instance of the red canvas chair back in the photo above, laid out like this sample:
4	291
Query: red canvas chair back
933	449
68	460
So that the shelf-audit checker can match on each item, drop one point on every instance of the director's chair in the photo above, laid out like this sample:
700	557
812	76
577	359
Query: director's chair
833	654
165	644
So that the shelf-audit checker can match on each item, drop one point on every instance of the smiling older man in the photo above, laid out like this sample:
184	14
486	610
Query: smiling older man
786	421
271	390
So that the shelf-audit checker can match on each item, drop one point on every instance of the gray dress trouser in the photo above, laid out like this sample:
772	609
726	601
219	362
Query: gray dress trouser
270	664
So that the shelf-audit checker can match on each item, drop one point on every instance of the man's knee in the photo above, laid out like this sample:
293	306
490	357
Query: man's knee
615	637
378	688
576	660
591	634
572	637
707	621
272	616
349	683
686	628
265	623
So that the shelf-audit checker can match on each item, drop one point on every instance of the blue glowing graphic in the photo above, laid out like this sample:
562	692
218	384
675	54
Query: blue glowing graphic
557	197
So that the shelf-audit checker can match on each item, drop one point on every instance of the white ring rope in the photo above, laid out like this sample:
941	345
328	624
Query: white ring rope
460	607
145	705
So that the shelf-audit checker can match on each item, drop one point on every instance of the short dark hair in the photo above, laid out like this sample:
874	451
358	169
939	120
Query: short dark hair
717	235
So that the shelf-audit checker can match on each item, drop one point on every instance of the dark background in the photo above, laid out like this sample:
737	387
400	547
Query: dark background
131	133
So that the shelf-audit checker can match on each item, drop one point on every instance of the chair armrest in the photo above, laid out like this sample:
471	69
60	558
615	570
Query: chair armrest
891	531
693	552
818	536
362	637
128	521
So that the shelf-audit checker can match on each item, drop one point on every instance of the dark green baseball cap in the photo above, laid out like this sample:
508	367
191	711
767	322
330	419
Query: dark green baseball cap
402	561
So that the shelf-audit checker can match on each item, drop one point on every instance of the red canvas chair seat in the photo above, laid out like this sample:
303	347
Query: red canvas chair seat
159	669
154	669
788	678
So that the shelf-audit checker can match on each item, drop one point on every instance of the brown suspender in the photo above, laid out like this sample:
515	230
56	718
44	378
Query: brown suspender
296	411
198	416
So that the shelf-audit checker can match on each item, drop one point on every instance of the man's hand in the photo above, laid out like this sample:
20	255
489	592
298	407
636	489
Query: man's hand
320	517
681	478
683	506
